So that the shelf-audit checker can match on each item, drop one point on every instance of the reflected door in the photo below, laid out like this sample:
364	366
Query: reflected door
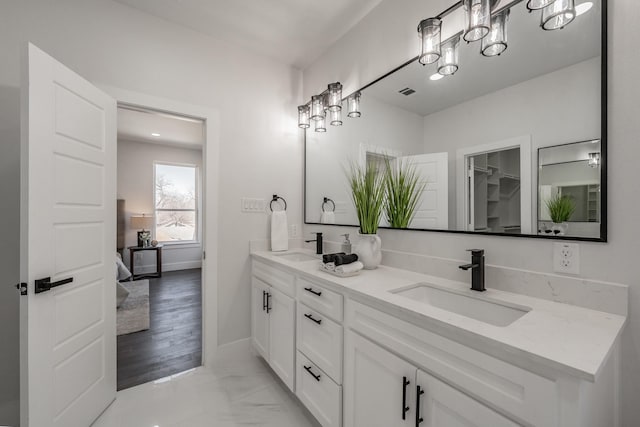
433	209
68	332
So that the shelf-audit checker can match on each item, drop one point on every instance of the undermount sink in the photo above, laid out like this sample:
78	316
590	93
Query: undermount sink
297	257
482	309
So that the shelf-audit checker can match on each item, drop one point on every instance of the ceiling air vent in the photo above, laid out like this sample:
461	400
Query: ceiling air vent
407	91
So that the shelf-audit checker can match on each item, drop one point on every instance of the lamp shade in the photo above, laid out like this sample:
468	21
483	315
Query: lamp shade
141	222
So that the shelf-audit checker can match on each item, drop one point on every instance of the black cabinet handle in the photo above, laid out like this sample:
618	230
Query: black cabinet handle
318	293
264	300
405	408
43	285
310	317
308	369
419	419
268	307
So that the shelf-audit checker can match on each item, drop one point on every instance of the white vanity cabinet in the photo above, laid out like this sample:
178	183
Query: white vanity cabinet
381	389
273	320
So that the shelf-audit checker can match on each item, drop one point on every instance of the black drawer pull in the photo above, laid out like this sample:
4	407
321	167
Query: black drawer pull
310	317
269	308
405	408
419	419
308	369
43	285
264	300
318	293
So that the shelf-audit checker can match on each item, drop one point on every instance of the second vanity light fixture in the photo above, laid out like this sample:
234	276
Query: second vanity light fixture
327	106
489	26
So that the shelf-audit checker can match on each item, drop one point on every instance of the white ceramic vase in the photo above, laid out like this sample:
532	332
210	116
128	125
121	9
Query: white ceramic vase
369	250
560	229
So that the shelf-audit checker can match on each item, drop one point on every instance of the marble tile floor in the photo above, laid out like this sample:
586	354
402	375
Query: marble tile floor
242	392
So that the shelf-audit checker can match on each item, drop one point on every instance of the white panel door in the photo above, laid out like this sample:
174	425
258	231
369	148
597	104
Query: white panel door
433	209
379	387
259	317
443	406
68	333
282	318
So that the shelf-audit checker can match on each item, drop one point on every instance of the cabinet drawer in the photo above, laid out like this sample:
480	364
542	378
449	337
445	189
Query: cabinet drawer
320	339
279	279
514	391
318	393
321	299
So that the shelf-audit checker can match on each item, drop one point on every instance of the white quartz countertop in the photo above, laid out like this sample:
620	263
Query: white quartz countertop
557	336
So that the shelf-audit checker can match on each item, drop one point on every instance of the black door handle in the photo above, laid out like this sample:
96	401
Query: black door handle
318	293
308	369
405	408
268	296
310	317
419	419
43	285
264	300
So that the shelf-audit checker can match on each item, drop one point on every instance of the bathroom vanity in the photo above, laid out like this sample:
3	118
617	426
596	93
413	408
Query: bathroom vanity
392	347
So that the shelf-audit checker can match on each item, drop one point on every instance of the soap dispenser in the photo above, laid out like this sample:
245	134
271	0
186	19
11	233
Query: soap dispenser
346	245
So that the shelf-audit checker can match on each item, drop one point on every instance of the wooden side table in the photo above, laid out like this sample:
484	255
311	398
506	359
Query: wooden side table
134	249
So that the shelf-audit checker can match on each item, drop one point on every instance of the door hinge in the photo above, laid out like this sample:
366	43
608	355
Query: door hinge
22	287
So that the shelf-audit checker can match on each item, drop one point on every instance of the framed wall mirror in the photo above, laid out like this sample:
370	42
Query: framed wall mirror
494	143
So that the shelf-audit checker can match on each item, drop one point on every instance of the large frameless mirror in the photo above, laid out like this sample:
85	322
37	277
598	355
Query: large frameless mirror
487	126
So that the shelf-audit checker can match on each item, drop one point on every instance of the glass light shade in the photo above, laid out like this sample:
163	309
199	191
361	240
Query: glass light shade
496	41
477	19
354	105
538	4
448	62
335	118
303	116
558	15
320	126
334	97
430	33
594	160
317	107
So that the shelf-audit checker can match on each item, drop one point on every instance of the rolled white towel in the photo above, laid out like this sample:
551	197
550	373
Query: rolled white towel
349	268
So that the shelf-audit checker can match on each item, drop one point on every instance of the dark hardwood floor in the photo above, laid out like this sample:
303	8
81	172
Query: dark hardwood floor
174	341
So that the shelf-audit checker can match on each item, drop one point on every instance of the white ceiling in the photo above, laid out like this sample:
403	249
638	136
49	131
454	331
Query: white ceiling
138	125
293	31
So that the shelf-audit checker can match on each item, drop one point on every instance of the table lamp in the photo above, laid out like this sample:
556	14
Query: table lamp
143	223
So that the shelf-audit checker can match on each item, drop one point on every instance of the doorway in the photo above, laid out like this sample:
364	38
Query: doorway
160	243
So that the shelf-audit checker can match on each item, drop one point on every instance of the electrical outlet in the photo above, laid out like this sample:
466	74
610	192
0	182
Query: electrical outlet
566	258
293	231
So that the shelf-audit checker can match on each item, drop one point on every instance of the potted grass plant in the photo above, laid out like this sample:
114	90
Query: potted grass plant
560	210
403	187
368	194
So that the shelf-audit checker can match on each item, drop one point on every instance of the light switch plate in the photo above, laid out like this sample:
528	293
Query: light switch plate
252	205
566	258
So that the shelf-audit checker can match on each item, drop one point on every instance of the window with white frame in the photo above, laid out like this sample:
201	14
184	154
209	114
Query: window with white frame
176	202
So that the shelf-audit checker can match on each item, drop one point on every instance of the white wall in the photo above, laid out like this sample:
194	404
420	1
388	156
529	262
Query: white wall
136	187
386	37
256	97
328	154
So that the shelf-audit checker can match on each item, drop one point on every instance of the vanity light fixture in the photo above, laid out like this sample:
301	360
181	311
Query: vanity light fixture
583	8
303	116
477	18
320	126
335	118
354	105
496	41
558	15
430	33
334	97
448	62
594	159
538	4
317	107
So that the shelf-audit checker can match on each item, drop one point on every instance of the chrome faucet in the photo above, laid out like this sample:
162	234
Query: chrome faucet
477	269
318	240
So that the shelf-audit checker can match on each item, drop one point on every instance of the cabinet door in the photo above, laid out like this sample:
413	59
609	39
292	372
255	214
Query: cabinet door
282	332
259	317
375	386
443	406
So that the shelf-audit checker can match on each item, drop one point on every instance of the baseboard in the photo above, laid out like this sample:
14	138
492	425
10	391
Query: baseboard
170	266
234	350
